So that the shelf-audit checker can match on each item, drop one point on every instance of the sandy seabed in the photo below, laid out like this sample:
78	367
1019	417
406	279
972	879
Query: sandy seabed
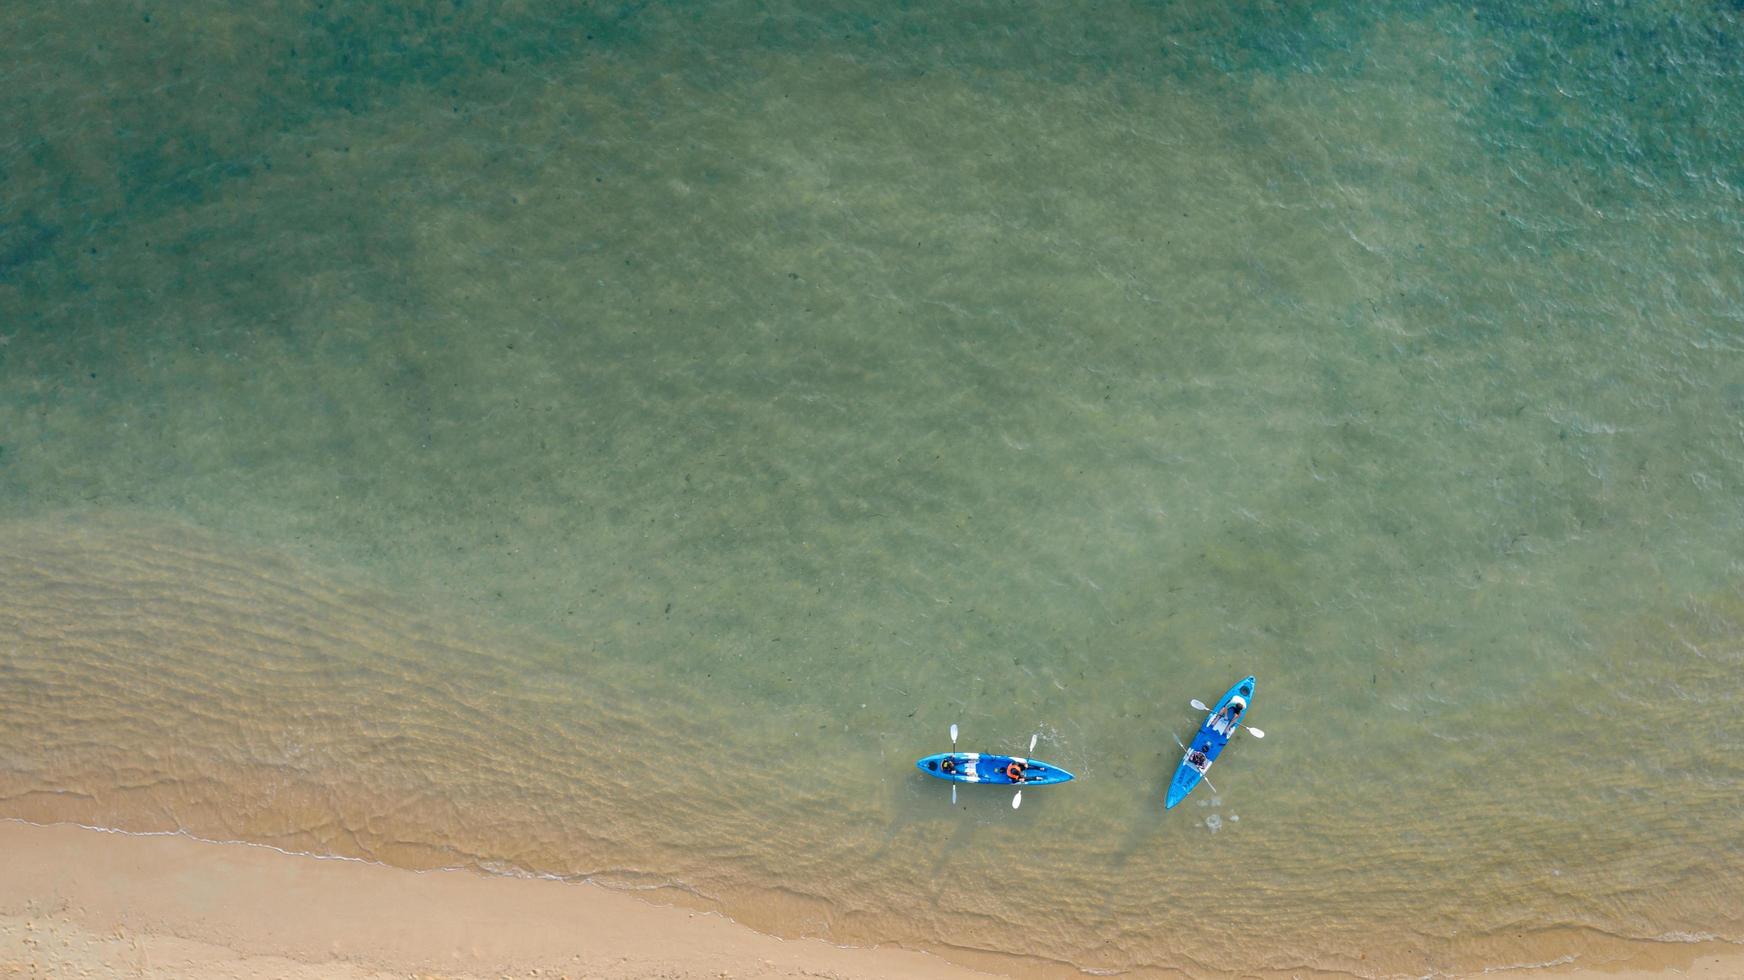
76	902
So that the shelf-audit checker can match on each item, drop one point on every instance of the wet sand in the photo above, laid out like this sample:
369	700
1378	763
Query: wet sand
78	902
74	900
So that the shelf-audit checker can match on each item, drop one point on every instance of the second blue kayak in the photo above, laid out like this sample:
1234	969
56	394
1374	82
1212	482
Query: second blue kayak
1208	743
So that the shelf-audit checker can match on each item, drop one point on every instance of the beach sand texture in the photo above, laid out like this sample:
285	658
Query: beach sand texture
76	903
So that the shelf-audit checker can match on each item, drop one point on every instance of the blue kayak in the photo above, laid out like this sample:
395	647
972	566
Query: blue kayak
1220	724
977	767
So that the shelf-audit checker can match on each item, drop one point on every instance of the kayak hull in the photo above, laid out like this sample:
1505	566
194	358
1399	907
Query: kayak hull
1210	741
977	767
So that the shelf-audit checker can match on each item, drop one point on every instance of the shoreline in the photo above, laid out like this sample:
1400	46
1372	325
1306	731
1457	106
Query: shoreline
76	899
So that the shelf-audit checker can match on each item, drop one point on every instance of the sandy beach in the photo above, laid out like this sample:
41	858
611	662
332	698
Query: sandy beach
76	902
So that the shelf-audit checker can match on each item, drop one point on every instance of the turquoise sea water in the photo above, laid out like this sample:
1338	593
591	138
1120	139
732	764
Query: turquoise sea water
614	441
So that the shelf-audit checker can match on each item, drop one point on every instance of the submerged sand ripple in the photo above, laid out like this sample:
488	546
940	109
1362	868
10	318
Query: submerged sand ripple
159	682
157	679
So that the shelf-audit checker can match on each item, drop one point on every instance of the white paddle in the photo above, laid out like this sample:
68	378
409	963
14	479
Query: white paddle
1017	800
953	752
1256	732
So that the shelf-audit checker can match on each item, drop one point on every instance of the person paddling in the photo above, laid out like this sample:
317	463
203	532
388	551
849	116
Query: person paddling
1226	719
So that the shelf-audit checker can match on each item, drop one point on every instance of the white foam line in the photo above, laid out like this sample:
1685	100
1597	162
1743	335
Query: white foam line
1564	959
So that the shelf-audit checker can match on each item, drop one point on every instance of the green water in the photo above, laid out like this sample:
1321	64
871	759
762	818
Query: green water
813	378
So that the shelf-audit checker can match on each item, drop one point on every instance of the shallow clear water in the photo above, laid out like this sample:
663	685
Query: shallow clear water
617	441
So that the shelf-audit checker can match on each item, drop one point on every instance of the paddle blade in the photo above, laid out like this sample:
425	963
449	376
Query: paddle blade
953	794
1017	801
1032	741
953	735
1256	732
1198	705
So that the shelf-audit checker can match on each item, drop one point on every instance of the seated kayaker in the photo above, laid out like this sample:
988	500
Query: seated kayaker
949	765
1014	771
1197	760
1226	719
